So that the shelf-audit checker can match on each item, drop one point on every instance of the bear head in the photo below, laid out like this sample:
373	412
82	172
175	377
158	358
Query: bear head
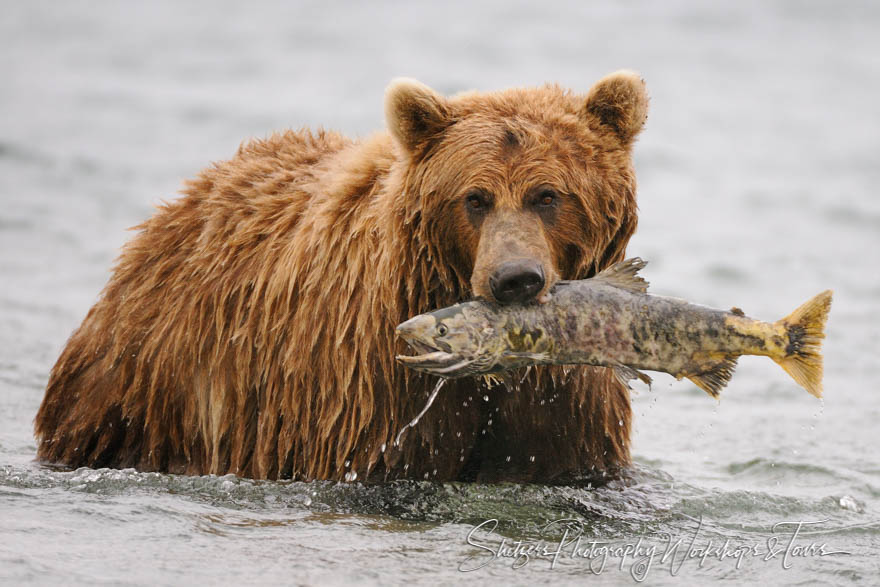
513	190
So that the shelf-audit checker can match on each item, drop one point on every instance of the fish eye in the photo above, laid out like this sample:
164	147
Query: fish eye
442	329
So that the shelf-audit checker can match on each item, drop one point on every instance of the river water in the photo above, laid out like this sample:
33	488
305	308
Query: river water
758	172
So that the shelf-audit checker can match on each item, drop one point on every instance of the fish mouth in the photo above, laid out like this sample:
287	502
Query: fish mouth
421	347
435	361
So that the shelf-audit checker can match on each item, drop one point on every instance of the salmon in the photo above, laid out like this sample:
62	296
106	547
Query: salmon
610	320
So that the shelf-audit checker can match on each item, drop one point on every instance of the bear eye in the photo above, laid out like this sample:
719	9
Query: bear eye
547	198
442	329
474	201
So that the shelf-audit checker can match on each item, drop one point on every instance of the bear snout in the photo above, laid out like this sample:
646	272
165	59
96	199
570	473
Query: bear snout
514	261
517	281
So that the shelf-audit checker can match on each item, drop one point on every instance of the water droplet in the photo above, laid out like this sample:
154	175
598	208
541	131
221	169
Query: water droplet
414	421
458	434
485	398
382	448
532	458
347	463
508	459
489	423
351	476
620	422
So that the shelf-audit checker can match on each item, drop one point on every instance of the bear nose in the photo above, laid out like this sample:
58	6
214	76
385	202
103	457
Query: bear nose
516	281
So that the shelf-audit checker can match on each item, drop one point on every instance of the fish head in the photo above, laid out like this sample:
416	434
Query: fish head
453	342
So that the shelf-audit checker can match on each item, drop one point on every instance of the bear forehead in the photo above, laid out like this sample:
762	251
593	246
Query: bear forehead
510	133
545	117
535	103
507	144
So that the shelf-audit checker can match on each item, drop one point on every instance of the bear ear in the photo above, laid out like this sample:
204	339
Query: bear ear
414	112
619	101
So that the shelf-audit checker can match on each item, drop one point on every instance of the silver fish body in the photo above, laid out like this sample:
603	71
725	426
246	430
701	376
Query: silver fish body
610	320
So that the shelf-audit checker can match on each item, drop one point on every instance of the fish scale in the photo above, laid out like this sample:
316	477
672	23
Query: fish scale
610	320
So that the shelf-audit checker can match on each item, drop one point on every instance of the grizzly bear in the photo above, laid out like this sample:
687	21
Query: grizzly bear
248	327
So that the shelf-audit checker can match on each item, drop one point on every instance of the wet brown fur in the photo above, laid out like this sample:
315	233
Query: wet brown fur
249	326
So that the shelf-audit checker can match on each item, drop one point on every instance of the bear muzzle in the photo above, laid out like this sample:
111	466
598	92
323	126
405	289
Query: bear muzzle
518	280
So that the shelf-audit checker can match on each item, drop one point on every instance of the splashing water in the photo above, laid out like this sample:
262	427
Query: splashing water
440	383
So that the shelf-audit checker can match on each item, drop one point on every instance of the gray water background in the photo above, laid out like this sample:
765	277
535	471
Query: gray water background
758	172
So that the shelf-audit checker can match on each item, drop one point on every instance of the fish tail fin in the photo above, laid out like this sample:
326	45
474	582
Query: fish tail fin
803	354
713	380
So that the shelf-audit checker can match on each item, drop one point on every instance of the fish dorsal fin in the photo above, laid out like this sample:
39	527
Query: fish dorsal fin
713	380
625	275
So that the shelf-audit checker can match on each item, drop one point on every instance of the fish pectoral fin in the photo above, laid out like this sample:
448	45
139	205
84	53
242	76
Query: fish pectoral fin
508	381
626	374
624	275
715	377
491	380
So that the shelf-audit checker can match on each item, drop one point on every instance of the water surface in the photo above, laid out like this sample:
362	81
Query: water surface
758	172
